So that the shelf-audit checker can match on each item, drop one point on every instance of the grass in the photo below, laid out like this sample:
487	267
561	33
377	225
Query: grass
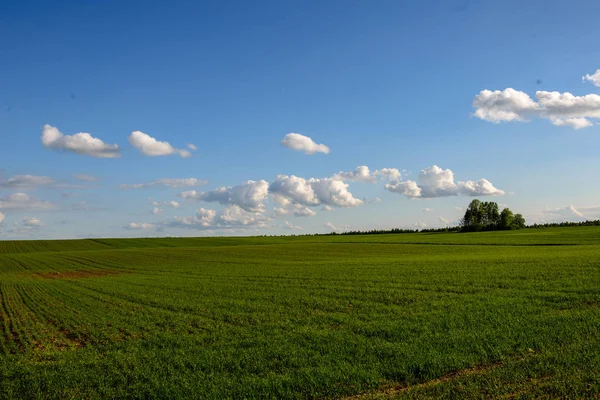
495	314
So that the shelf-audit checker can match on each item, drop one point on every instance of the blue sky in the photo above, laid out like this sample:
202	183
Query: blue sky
385	84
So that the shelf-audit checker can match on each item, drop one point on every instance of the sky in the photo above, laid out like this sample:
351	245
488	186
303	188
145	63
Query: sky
192	118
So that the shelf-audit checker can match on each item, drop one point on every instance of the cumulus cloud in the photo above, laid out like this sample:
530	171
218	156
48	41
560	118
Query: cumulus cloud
26	181
427	210
26	226
506	105
85	177
568	213
375	200
288	225
342	227
230	217
157	210
168	182
151	147
362	173
326	208
445	221
250	195
562	109
594	78
407	188
80	143
32	222
313	191
171	203
23	201
419	225
437	182
192	146
298	142
136	226
298	210
2	217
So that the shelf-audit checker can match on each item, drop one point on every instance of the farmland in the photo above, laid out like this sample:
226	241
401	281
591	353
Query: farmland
493	314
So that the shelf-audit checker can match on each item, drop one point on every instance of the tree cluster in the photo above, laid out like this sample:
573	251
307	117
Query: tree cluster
486	216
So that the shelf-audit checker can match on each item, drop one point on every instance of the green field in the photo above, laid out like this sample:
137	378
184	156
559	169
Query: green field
496	314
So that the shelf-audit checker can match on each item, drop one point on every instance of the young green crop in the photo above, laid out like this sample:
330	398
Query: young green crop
408	315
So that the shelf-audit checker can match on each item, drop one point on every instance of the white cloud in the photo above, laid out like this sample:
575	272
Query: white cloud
375	200
342	227
32	222
507	105
134	226
80	143
85	177
331	226
437	182
23	201
363	174
249	195
149	146
192	146
288	225
594	78
26	181
157	211
407	188
171	203
568	213
427	210
482	187
27	226
314	191
576	123
445	221
301	211
298	210
562	109
298	142
419	225
168	182
230	217
326	208
2	217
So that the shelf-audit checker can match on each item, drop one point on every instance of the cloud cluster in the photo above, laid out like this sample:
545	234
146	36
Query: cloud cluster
289	226
26	181
27	226
437	182
168	182
568	213
136	226
298	142
2	216
230	217
297	210
333	228
80	143
249	195
313	191
562	109
363	174
23	201
151	147
594	78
